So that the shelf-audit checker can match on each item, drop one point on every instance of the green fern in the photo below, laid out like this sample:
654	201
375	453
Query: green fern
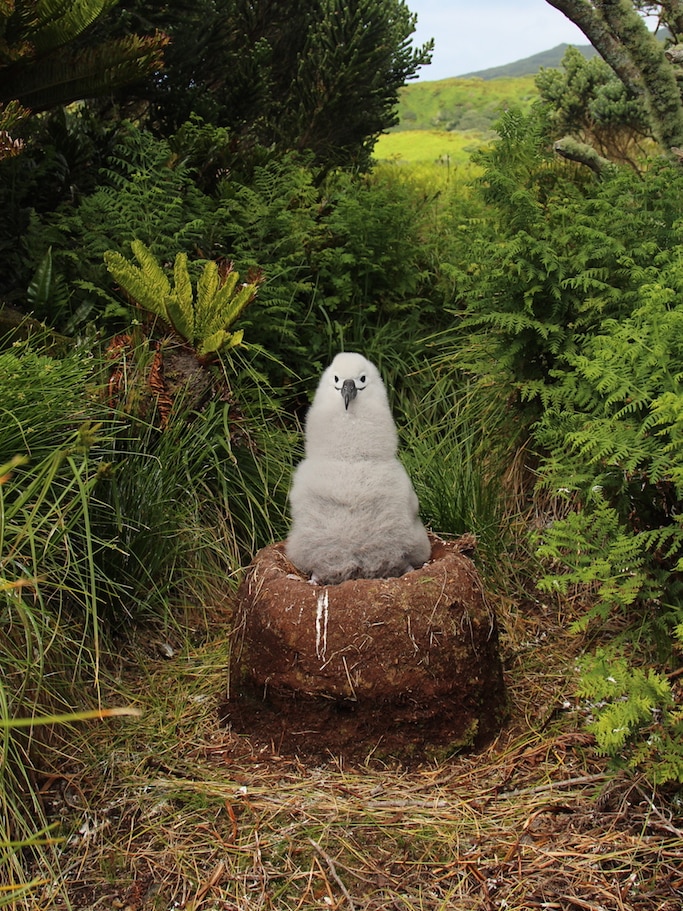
592	550
180	309
202	321
147	284
62	22
634	716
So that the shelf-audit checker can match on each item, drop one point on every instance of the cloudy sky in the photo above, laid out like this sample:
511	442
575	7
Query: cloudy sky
472	35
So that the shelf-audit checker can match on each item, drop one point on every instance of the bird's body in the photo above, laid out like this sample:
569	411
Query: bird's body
354	509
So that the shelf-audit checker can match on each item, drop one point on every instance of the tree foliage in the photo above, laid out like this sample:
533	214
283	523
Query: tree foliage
48	57
618	31
323	75
587	101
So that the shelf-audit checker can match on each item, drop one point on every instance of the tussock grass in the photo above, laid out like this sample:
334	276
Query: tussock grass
173	810
103	524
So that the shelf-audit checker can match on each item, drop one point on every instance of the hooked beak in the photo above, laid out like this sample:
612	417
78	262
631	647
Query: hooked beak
349	392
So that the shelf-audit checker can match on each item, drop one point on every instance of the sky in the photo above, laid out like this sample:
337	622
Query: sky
471	35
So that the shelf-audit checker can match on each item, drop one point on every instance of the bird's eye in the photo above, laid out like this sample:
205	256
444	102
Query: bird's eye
362	379
336	379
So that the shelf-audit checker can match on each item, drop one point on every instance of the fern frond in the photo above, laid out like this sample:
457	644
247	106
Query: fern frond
150	268
221	340
67	74
211	297
179	302
203	323
226	290
627	699
146	285
241	300
67	22
234	339
207	285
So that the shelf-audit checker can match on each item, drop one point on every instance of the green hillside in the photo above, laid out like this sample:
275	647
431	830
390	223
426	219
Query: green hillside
461	103
443	121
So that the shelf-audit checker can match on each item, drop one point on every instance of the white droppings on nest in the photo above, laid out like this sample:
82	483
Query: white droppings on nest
321	620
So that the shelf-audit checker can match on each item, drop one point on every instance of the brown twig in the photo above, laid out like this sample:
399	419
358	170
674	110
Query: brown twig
333	872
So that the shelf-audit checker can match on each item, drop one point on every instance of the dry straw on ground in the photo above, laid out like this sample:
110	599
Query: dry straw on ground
173	811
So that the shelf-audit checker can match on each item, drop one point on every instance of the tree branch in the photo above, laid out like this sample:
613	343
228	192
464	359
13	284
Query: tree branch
621	37
662	92
673	16
592	24
573	150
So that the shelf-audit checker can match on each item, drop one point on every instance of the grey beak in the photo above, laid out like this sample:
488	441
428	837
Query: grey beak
349	392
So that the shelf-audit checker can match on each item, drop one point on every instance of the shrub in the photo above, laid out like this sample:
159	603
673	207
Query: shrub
145	193
577	312
612	432
551	263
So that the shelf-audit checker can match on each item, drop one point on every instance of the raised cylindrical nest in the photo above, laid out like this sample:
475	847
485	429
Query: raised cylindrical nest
406	666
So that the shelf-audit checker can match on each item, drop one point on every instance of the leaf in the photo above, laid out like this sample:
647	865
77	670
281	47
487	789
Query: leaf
68	73
220	340
213	317
70	717
39	289
180	309
234	339
212	343
207	285
146	285
150	267
244	296
71	20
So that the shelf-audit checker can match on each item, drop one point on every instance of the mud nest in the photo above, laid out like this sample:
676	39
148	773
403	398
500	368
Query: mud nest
406	668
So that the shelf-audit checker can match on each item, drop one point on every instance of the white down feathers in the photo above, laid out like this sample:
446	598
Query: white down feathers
354	510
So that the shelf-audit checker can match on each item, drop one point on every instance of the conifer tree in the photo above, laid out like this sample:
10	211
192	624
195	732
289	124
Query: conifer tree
320	75
588	103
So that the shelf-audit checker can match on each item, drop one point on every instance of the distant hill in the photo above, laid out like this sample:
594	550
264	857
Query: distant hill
462	104
475	101
529	66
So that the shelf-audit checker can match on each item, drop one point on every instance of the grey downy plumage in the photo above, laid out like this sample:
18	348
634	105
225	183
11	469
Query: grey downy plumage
353	506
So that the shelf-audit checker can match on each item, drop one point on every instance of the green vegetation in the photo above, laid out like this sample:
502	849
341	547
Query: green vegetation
446	120
48	56
525	311
437	146
200	318
320	77
462	104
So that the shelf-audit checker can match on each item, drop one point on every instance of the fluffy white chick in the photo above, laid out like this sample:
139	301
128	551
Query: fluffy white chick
353	506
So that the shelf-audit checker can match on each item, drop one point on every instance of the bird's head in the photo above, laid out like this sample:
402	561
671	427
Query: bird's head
350	417
351	374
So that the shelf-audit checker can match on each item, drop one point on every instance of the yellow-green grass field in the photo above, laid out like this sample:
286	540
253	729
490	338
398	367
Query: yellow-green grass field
437	146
